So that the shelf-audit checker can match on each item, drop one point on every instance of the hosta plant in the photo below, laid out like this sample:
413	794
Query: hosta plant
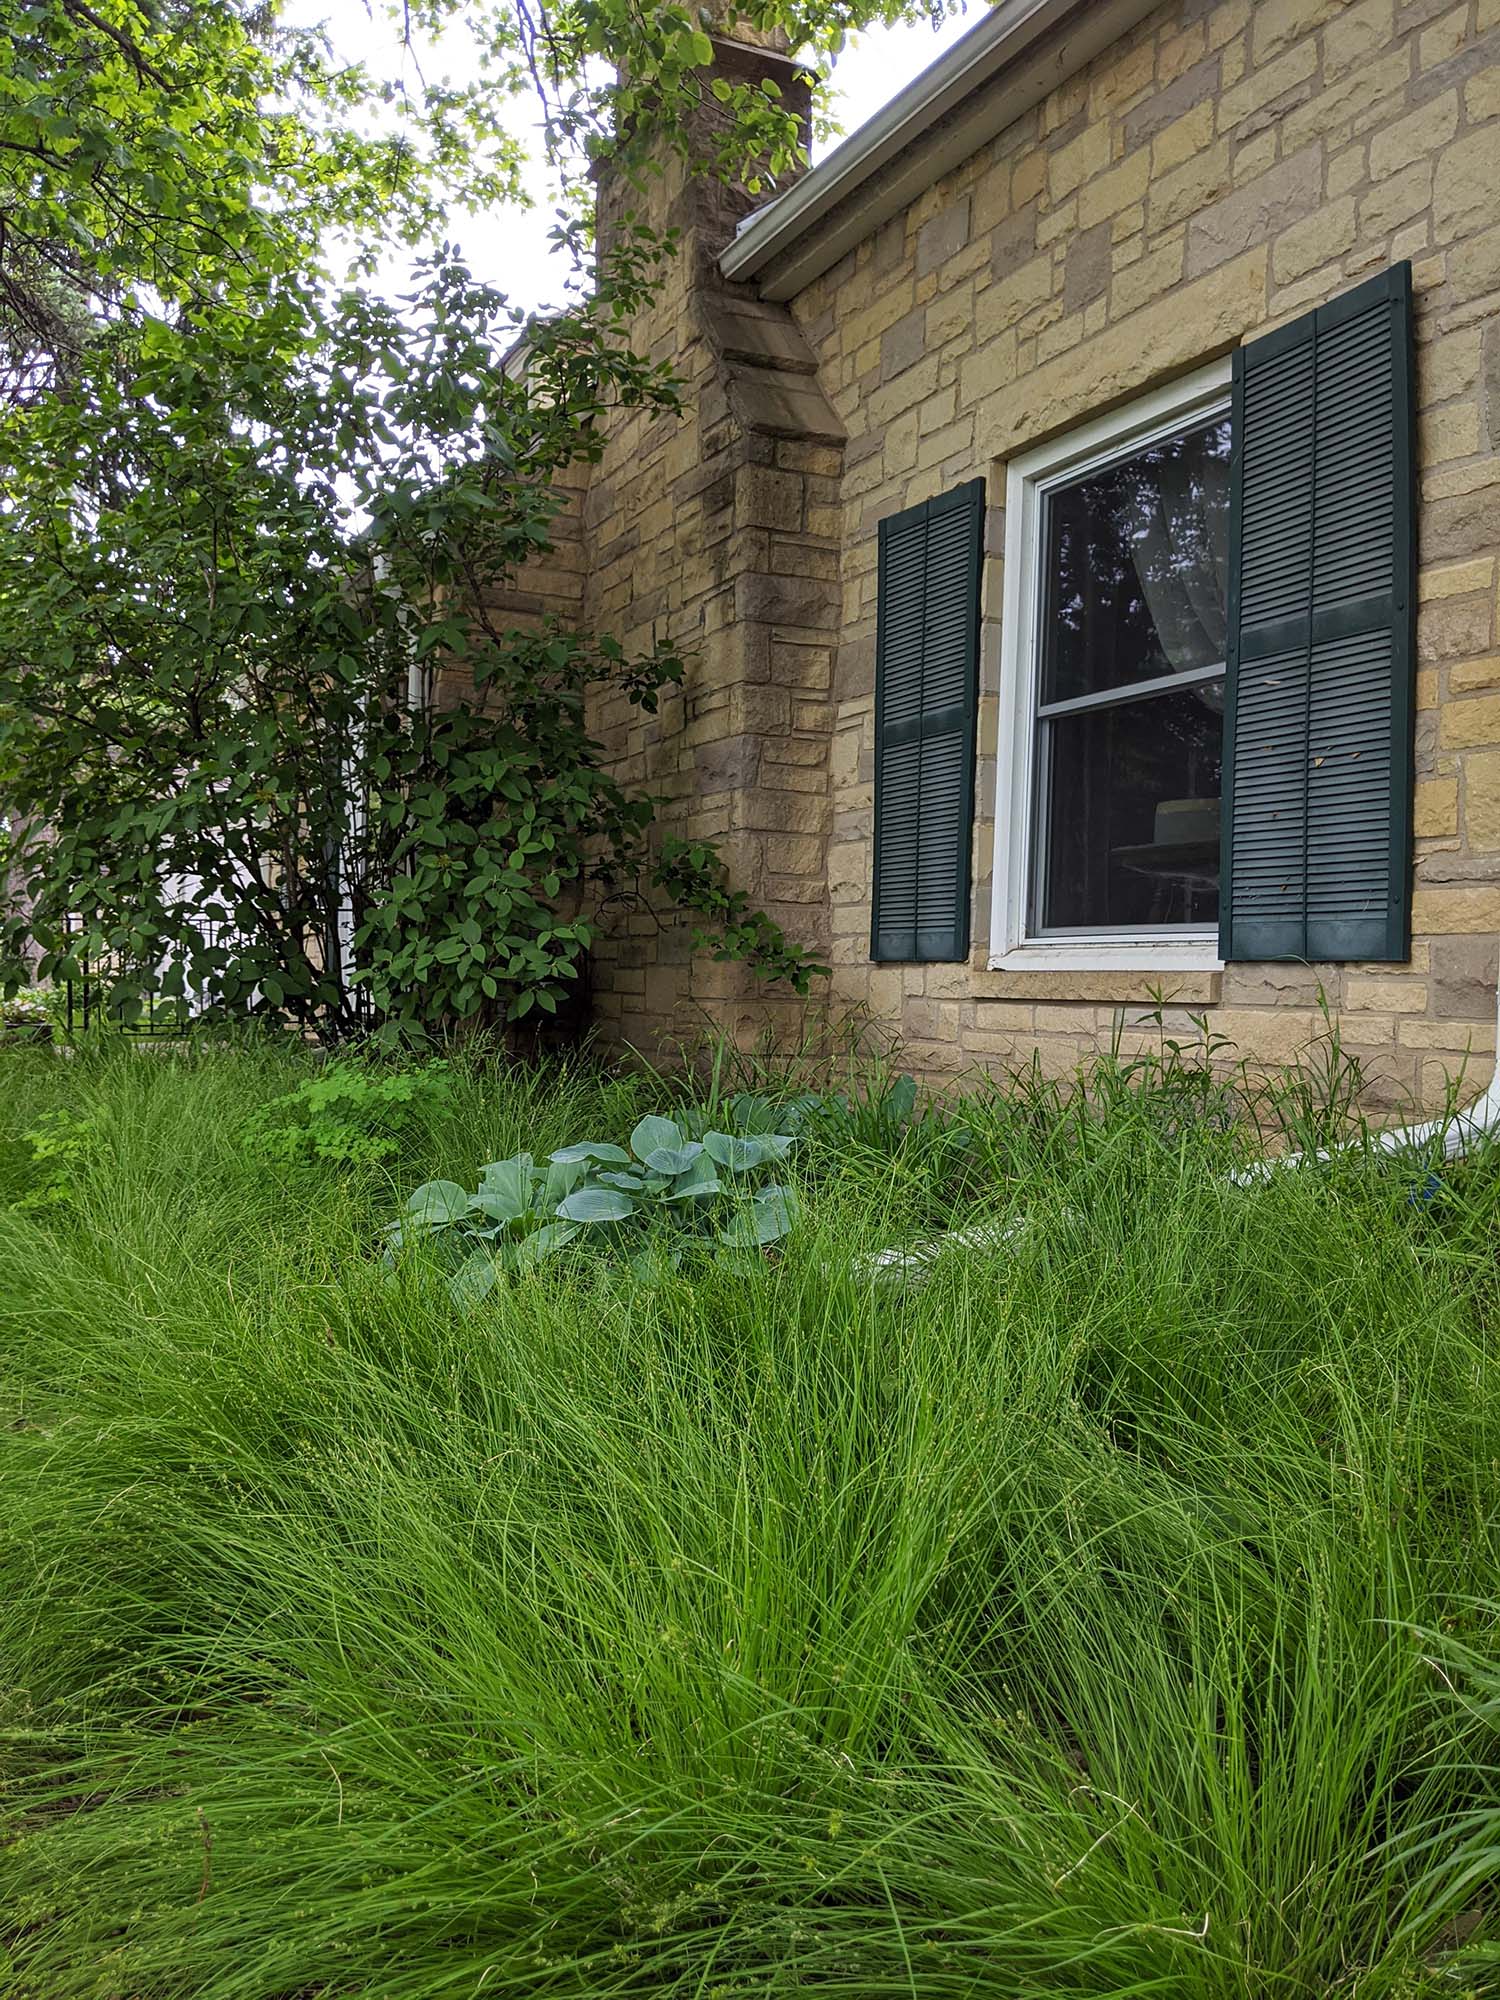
645	1207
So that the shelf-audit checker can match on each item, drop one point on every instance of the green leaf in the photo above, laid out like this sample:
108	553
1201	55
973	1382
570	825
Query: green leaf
739	1155
652	1133
674	1159
474	1279
651	1265
588	1150
700	1183
506	1189
765	1219
438	1202
561	1178
592	1204
543	1243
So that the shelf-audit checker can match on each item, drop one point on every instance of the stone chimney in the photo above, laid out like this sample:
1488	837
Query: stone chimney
716	531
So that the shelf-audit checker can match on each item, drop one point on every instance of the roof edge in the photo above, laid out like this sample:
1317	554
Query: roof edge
785	244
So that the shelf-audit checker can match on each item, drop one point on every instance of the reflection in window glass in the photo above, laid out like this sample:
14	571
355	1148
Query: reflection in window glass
1137	565
1134	589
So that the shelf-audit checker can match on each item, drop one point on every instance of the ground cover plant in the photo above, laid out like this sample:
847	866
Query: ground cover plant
680	1191
1109	1614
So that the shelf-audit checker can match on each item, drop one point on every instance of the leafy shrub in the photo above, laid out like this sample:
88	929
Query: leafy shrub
668	1195
347	1114
59	1142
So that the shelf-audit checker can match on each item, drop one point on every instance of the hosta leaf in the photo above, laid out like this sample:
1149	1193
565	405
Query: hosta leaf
505	1192
901	1098
654	1132
596	1204
438	1203
544	1242
671	1160
474	1279
765	1219
701	1181
561	1178
651	1265
587	1149
632	1183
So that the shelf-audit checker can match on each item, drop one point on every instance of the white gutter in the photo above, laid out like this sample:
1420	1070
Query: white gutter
979	87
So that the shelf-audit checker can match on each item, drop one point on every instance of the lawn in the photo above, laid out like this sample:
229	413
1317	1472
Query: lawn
1113	1613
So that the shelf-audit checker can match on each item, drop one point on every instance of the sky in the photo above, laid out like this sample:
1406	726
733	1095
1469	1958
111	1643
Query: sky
510	249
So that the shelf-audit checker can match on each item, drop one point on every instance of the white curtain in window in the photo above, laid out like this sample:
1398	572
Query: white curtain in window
1178	524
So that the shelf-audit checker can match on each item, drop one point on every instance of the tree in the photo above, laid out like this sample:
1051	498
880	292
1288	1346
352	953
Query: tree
254	503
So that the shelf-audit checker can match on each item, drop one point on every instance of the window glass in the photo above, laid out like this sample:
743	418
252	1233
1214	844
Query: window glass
1134	589
1131	813
1136	561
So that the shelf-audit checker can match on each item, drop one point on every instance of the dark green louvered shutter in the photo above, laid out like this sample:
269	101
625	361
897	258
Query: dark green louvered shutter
926	697
1318	759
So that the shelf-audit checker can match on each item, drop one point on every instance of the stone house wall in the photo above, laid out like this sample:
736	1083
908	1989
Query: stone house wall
716	531
1220	169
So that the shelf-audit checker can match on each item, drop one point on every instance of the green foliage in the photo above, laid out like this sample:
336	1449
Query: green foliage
694	876
258	510
139	146
667	1197
235	783
58	1143
347	1114
1118	1613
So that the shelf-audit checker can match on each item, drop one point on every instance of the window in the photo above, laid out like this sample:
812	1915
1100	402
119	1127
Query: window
1112	697
1206	685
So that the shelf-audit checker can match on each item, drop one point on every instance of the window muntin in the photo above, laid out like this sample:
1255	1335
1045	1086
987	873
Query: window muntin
1127	686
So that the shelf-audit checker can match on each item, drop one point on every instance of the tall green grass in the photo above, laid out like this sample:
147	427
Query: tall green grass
1108	1615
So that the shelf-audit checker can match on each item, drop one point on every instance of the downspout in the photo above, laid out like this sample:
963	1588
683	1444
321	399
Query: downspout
1459	1131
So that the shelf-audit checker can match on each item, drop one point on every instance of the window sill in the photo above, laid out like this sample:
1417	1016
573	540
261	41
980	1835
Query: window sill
1084	956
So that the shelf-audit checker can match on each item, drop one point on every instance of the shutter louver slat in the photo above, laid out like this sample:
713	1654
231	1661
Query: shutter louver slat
926	697
1318	746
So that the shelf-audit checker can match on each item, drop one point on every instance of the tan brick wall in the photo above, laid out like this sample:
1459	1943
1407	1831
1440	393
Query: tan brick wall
1221	169
717	532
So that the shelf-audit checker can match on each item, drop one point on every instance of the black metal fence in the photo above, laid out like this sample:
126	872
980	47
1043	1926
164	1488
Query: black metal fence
160	1015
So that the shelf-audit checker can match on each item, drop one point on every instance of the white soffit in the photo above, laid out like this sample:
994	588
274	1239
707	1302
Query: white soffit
973	91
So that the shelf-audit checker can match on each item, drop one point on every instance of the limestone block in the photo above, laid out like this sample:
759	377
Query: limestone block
1279	22
1463	978
1120	188
1472	721
1078	161
943	235
1164	107
1256	212
1414	137
1436	808
1464	186
1323	236
1452	628
1181	194
1352	36
1391	995
1455	909
1270	86
1086	267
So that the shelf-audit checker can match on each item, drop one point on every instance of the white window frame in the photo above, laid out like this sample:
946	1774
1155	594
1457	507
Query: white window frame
1028	481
